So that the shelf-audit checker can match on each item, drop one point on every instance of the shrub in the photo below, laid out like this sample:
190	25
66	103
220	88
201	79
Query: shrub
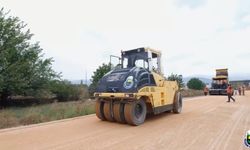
65	91
195	84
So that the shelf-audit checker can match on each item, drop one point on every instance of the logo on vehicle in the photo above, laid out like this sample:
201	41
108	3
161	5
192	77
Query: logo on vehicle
247	139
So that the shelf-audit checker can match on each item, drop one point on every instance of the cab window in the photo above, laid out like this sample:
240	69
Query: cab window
141	63
125	63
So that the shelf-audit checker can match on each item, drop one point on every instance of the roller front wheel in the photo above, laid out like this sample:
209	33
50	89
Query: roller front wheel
135	112
99	109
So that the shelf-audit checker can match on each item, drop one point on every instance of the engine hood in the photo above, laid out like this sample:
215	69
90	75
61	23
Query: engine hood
125	80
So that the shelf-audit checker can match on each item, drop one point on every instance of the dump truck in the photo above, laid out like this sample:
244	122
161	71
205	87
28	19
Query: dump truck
219	83
136	87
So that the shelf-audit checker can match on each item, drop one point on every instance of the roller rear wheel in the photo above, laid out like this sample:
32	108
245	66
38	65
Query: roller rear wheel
107	111
177	103
135	112
118	110
99	109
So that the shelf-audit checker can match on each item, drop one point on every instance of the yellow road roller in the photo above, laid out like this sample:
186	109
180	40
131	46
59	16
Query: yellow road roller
136	87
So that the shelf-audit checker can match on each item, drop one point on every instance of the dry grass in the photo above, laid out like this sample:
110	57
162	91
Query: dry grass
16	116
7	119
191	93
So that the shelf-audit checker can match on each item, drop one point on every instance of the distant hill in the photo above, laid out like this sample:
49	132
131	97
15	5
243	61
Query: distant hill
233	77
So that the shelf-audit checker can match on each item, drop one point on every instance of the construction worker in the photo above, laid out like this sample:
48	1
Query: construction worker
239	90
205	90
243	90
229	93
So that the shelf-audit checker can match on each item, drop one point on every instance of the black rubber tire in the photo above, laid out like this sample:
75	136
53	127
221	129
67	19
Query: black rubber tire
99	109
108	114
177	108
118	109
135	112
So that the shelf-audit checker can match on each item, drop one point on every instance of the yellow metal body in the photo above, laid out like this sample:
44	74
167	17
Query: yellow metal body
160	95
221	74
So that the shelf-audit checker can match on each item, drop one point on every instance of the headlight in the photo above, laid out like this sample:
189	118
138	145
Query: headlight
129	82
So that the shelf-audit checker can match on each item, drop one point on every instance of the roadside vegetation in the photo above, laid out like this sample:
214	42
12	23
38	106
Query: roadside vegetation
16	116
195	84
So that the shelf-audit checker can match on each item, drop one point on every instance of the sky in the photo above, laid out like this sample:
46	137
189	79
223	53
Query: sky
195	36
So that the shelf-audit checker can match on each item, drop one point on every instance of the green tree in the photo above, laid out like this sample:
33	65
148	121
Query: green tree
178	78
22	67
196	84
65	91
98	74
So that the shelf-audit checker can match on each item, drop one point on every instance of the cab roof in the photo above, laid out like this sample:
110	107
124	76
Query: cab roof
155	53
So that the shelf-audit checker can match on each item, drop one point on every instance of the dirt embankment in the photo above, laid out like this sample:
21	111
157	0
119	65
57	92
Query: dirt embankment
191	93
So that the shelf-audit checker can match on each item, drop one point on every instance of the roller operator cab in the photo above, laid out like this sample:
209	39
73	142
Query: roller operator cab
136	87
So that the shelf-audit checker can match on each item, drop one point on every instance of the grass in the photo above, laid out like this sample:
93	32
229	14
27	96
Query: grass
16	116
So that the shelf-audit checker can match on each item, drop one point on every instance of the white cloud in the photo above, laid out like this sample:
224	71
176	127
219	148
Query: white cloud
81	34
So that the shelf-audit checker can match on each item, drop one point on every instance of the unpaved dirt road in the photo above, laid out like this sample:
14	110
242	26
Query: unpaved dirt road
205	123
